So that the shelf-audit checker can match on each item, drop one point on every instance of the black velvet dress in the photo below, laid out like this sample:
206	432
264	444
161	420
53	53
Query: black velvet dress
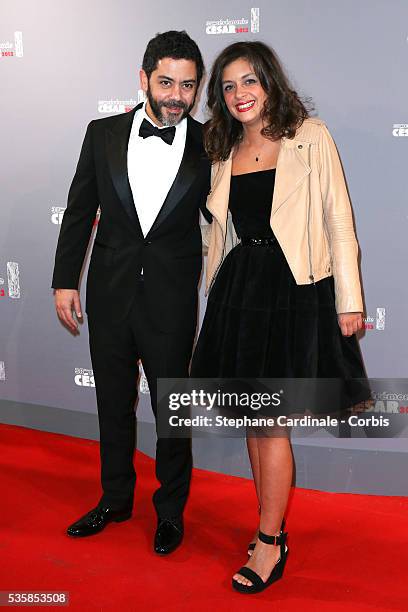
258	321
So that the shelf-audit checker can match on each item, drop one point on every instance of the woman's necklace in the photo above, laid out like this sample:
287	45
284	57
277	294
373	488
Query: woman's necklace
258	155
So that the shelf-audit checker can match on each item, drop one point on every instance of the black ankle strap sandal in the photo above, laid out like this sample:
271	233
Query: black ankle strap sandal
258	584
251	545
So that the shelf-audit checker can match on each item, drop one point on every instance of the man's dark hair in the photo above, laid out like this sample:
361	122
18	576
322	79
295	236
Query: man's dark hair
177	45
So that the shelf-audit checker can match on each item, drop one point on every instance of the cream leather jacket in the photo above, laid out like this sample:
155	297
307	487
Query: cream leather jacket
311	215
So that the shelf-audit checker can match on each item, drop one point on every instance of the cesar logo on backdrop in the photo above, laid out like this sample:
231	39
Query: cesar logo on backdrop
57	214
234	26
12	49
377	322
13	281
400	129
120	106
85	378
143	385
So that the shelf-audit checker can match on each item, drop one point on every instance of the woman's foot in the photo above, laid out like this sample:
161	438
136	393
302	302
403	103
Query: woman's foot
262	561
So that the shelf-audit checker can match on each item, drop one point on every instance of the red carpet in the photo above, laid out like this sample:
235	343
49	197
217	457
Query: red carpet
346	551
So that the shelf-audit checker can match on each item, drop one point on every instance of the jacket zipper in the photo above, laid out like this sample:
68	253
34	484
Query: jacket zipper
311	276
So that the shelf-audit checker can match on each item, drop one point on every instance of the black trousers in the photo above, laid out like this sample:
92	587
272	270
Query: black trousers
115	350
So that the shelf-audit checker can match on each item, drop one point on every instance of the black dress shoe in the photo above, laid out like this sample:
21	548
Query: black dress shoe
96	519
169	534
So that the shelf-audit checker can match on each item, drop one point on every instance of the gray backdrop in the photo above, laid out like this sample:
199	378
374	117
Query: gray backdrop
63	63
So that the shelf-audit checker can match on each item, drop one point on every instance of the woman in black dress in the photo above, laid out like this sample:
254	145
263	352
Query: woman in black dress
282	273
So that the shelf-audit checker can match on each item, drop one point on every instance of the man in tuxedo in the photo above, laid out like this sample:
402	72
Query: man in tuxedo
148	172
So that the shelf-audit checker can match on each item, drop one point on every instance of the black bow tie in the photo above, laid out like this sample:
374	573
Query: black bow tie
147	129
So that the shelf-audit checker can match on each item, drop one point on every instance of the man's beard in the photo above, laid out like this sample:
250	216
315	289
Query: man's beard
170	119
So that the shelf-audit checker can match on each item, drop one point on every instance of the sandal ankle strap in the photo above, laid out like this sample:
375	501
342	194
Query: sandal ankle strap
272	539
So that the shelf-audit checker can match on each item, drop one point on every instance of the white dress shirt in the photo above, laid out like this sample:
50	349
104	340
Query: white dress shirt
152	167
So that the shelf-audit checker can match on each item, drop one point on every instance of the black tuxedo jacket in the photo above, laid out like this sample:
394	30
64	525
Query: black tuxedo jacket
170	254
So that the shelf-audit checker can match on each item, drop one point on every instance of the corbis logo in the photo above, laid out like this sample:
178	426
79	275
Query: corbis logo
12	49
13	281
120	106
84	378
234	26
57	212
377	322
2	371
400	129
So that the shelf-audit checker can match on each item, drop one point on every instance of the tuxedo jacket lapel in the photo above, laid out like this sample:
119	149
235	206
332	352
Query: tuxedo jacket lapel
185	176
117	140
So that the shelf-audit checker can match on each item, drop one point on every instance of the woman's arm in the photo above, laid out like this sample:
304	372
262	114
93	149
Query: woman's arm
342	240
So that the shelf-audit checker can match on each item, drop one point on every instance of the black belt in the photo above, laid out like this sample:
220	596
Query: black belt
249	241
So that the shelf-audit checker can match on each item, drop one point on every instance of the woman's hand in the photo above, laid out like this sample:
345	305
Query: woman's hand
350	322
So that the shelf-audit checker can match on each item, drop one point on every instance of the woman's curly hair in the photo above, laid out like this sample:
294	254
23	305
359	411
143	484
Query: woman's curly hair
283	111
